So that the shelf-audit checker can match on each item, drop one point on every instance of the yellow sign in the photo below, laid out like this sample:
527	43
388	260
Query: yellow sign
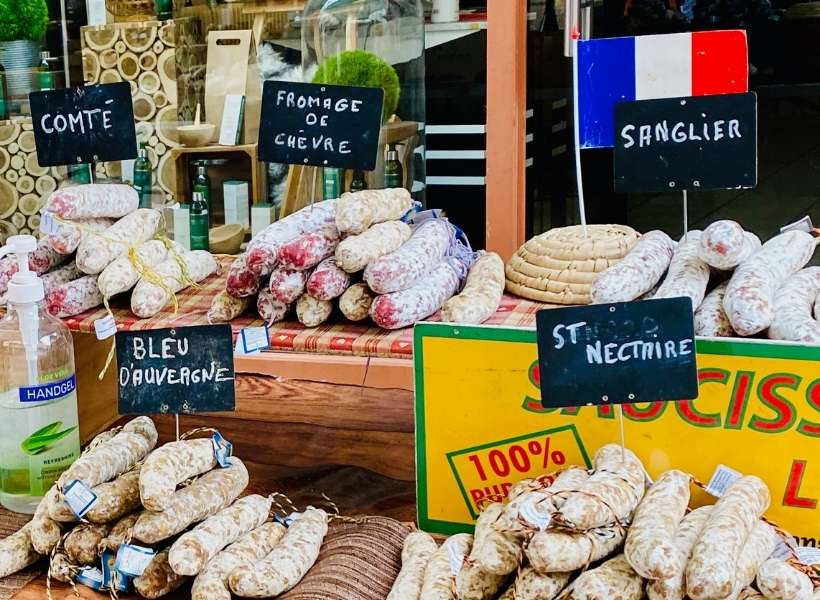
480	426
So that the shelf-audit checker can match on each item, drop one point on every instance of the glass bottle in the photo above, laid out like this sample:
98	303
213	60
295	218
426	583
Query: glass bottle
199	223
202	183
164	9
143	177
358	183
393	171
45	76
39	435
332	183
80	173
4	95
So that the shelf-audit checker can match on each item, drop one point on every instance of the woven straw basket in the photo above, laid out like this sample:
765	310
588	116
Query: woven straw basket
559	266
128	10
358	561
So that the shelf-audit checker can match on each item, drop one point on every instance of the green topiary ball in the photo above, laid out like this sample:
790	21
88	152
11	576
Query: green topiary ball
23	19
362	69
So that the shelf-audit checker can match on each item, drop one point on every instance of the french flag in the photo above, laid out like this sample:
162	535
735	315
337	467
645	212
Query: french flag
612	70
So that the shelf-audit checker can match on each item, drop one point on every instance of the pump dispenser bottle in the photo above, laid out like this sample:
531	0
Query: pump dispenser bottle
39	435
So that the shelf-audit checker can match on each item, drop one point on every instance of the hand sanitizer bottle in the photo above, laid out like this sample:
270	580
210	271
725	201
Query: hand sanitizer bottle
39	435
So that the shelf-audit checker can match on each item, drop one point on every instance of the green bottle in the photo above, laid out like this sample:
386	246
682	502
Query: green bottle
358	183
202	183
4	95
393	171
80	173
199	223
143	177
332	183
45	76
164	9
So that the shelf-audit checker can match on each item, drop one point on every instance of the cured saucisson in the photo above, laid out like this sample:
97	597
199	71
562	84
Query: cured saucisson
225	308
97	251
481	295
312	312
74	297
724	245
357	251
69	234
148	298
309	249
122	274
793	302
355	303
356	212
639	271
688	275
711	319
287	285
327	281
270	309
93	201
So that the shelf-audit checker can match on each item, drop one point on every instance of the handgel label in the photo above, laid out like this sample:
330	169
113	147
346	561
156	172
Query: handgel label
48	391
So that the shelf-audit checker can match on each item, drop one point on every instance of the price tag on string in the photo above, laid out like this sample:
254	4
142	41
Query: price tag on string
90	577
79	497
722	480
133	560
223	450
105	327
48	224
807	555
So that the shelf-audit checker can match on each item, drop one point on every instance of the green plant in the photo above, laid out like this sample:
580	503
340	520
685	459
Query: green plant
23	20
362	69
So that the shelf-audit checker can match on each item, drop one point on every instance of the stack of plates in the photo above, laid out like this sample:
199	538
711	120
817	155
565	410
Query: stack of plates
559	266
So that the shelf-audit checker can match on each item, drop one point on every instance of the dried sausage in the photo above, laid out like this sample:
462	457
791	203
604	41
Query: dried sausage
74	297
114	500
793	319
159	578
271	310
212	582
429	244
559	551
121	532
286	285
122	274
611	493
492	551
225	308
118	455
327	281
357	251
356	212
16	552
99	250
750	296
711	319
83	543
481	295
45	532
650	546
613	580
444	566
69	234
355	303
779	580
192	551
637	273
148	298
688	275
724	245
204	497
532	585
92	201
758	547
712	569
418	548
474	583
287	563
309	249
312	312
171	464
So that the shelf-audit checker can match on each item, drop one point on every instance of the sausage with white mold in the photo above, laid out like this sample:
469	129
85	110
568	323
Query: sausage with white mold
158	578
312	312
613	580
444	566
17	552
96	252
68	235
724	245
688	275
286	285
309	249
778	580
481	295
793	320
355	303
148	298
416	552
91	201
711	319
122	274
328	281
269	308
171	464
750	296
356	212
355	252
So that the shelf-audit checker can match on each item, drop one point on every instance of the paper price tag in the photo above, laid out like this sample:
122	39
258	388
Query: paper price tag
533	516
808	556
105	327
223	450
133	560
722	479
255	339
803	224
79	497
48	224
456	560
121	582
90	577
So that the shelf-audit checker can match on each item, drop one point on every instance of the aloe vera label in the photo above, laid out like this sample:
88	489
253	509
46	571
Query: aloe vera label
45	392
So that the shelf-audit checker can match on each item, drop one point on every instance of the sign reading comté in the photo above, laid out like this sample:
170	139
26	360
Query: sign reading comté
758	411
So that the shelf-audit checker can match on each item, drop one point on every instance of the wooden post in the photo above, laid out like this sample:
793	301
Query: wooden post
506	125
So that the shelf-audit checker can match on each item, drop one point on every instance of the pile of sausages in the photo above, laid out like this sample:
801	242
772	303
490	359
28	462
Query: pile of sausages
738	286
102	245
179	501
609	534
358	254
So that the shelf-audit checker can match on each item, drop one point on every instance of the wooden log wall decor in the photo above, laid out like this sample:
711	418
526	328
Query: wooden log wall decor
24	184
164	62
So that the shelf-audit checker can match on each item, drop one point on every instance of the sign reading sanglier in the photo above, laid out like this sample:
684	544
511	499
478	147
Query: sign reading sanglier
84	124
320	125
180	370
617	353
698	143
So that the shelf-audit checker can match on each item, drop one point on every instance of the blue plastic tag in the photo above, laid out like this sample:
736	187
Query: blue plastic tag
90	577
420	217
111	575
411	212
79	497
132	560
223	450
255	339
289	520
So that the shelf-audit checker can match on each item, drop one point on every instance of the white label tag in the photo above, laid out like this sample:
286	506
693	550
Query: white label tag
48	224
133	560
255	339
79	497
91	577
808	556
456	560
530	513
722	480
105	327
803	224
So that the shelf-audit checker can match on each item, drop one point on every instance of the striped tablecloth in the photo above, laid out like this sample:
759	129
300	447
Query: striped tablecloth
336	337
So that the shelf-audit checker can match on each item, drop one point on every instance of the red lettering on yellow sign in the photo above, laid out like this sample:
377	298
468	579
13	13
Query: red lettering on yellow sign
792	497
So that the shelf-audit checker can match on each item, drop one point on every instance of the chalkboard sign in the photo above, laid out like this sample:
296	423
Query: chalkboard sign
696	143
84	124
320	125
617	353
181	370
